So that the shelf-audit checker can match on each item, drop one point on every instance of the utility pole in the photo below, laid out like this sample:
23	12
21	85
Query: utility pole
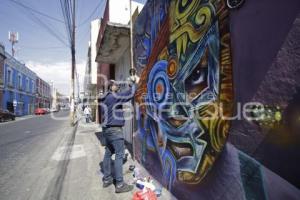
78	84
72	114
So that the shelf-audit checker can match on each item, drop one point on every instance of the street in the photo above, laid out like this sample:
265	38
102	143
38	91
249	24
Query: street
42	157
25	160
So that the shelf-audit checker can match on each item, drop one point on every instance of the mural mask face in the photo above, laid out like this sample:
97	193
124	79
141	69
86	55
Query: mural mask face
186	90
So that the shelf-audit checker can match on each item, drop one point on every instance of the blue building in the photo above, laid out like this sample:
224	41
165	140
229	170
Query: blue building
19	87
2	58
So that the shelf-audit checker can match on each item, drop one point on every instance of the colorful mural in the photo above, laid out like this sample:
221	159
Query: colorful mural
182	51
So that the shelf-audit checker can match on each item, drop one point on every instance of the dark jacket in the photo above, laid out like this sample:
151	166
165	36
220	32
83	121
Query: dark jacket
111	107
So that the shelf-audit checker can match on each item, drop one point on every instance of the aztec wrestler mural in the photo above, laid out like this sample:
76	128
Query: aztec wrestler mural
182	52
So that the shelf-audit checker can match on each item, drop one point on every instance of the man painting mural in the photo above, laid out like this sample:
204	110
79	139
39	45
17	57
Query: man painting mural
111	107
182	51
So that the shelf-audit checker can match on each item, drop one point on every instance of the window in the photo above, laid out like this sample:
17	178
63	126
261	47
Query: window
19	81
1	72
32	86
27	85
9	77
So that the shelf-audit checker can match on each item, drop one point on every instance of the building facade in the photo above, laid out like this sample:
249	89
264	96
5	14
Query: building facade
43	94
2	58
18	88
92	68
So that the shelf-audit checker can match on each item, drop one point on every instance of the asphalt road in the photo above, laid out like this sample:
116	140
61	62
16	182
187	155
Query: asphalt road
45	158
26	148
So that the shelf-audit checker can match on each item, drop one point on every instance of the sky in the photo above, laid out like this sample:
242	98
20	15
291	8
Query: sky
42	52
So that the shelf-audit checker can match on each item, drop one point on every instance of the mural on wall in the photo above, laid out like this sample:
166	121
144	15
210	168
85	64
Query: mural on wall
235	3
182	51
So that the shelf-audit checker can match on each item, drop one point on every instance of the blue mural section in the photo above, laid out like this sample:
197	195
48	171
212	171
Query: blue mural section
154	14
19	87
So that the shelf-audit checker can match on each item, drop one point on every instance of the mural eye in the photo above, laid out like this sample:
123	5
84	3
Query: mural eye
198	77
198	80
234	3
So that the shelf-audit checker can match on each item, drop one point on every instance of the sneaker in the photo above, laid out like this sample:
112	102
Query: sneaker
107	183
124	187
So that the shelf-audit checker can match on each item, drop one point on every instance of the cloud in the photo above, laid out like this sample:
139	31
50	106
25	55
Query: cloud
59	73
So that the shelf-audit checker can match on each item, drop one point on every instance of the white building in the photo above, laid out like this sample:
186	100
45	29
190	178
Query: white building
95	27
119	10
113	45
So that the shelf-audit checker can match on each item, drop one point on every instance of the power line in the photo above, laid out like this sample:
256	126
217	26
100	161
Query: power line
53	47
68	8
67	13
91	15
32	16
48	28
36	11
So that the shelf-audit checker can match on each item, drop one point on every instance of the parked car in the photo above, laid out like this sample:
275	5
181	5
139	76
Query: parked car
47	110
53	110
40	111
6	115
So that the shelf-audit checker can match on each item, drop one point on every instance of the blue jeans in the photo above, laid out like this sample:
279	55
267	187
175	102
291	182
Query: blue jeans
87	118
114	145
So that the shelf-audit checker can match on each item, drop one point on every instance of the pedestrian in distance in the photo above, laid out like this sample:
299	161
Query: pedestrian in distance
87	114
90	114
112	123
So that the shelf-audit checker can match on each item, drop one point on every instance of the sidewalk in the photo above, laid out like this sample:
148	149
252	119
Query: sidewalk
84	178
24	117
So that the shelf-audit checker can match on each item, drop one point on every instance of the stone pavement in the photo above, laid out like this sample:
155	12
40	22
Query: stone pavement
84	178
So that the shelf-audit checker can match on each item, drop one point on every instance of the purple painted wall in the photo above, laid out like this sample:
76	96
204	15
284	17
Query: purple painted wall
266	61
258	30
